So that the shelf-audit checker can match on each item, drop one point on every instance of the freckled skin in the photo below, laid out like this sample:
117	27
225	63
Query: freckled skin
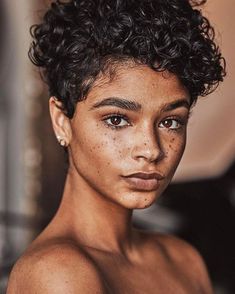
129	149
93	224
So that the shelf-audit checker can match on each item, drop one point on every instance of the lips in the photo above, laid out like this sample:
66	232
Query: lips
144	181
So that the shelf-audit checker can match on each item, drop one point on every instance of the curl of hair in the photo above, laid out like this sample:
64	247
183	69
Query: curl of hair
79	39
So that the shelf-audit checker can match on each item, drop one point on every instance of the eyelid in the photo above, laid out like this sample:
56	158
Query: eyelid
116	114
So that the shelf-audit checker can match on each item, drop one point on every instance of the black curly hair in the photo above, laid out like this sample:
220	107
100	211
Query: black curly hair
79	39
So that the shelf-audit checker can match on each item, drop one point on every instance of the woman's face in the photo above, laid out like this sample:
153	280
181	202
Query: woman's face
128	136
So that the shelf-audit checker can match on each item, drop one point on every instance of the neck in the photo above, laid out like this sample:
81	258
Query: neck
92	219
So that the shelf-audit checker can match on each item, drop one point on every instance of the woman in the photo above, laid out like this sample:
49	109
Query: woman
123	76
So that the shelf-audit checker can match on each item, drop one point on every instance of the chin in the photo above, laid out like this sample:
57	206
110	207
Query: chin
139	200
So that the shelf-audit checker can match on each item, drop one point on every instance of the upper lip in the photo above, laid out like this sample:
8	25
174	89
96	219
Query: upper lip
145	175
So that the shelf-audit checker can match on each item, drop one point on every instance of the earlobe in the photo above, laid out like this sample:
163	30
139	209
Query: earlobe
60	122
62	141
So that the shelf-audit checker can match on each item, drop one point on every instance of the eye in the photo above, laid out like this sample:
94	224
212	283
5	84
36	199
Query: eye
117	121
171	123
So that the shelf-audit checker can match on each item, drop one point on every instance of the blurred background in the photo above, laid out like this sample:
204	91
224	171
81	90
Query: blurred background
199	205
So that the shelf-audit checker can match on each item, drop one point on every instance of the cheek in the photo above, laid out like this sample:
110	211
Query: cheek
101	148
174	148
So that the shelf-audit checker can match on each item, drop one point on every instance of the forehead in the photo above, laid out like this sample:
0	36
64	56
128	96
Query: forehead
138	83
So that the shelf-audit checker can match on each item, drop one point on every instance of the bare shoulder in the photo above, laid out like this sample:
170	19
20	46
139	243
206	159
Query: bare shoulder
58	267
186	259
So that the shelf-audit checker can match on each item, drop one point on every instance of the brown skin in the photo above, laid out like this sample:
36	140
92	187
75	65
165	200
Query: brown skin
90	245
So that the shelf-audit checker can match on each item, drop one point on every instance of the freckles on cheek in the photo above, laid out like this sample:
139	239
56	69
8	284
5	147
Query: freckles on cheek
174	147
123	151
117	146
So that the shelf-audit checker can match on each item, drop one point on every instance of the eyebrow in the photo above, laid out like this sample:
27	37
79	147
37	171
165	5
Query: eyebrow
176	104
118	102
135	106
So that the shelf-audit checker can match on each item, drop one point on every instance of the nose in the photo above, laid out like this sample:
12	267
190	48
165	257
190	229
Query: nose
147	146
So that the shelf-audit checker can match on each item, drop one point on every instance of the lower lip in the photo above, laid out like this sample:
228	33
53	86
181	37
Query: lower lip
143	184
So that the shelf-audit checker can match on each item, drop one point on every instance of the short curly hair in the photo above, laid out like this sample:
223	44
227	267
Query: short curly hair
79	39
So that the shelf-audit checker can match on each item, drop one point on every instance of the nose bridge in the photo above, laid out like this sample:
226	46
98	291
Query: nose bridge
147	144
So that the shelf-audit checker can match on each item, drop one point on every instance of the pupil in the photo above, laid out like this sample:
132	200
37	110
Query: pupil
168	123
115	120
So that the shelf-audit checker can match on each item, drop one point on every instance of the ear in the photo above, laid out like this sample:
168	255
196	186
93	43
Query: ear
60	122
